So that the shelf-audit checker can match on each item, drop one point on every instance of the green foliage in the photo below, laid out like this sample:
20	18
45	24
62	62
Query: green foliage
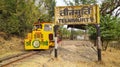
12	25
109	27
49	7
64	31
92	32
118	29
17	16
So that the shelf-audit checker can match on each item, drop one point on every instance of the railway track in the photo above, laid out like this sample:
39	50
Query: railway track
7	61
13	59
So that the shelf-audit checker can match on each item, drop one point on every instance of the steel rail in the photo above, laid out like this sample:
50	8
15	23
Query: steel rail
18	58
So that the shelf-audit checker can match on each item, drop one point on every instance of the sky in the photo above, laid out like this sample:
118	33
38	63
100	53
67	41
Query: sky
60	3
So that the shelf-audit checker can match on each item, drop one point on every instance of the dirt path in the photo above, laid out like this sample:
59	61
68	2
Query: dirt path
78	51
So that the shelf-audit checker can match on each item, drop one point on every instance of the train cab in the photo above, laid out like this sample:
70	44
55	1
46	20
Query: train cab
41	36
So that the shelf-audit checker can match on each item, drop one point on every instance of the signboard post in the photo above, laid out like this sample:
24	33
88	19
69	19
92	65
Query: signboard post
99	47
76	15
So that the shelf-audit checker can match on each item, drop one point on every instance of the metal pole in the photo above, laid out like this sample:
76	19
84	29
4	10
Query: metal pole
99	47
56	44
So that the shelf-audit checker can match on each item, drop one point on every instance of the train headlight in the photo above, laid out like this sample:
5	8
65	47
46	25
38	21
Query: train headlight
36	43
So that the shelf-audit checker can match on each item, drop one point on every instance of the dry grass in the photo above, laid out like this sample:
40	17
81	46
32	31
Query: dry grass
111	57
12	46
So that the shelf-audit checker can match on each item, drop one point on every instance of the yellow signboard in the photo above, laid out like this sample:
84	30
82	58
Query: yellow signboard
84	14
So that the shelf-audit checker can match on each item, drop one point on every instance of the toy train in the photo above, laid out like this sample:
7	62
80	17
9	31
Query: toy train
41	36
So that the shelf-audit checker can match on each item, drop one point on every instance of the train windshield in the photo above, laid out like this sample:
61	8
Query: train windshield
35	27
48	27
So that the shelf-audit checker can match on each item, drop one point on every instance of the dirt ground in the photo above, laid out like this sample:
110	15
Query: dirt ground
70	54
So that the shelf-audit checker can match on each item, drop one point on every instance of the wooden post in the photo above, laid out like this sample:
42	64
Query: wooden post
56	44
99	47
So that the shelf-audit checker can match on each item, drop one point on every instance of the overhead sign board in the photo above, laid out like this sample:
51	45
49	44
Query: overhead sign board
84	14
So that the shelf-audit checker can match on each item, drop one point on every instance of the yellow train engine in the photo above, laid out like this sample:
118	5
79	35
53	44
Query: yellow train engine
41	36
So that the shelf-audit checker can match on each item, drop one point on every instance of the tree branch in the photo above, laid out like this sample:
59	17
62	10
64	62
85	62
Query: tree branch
109	7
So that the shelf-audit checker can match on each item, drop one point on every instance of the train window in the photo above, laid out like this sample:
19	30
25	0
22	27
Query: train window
37	26
47	27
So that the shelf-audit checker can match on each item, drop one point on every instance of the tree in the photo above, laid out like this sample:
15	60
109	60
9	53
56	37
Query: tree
109	27
17	16
109	6
79	2
109	22
48	10
64	32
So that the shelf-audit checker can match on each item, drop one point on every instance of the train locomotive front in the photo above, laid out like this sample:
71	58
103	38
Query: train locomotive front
41	36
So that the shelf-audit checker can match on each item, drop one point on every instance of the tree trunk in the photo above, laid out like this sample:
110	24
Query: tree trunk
106	45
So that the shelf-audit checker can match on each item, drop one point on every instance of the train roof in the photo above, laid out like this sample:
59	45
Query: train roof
37	23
